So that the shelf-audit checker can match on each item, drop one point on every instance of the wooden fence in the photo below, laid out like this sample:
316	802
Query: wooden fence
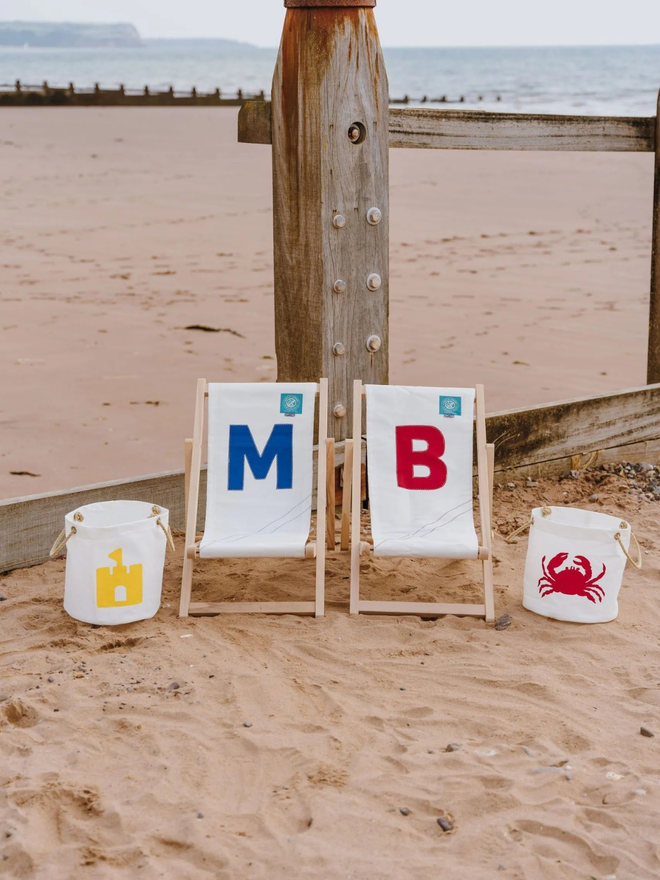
542	441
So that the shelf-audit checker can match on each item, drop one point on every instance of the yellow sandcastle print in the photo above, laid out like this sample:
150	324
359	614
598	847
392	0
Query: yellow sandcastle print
120	587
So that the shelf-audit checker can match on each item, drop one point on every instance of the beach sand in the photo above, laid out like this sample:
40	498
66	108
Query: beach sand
275	747
122	226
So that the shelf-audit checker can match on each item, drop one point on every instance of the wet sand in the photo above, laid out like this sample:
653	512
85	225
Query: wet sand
120	227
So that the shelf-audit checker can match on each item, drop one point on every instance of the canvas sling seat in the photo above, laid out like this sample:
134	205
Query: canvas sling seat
259	483
420	477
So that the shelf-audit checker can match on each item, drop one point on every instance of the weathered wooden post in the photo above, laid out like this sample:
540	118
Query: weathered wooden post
330	121
653	368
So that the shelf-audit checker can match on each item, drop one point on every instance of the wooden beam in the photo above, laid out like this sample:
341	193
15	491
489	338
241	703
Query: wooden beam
330	167
571	427
542	441
653	365
478	130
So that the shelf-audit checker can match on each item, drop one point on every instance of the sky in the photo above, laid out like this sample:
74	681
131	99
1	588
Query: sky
400	22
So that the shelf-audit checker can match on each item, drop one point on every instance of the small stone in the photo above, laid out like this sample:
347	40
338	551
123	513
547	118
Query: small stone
200	815
501	867
531	484
644	467
4	698
528	752
568	777
211	676
453	747
174	686
639	791
247	724
3	598
402	689
646	732
503	622
404	811
443	823
593	498
51	678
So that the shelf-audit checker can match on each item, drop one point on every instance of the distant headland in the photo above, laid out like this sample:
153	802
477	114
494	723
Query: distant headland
67	35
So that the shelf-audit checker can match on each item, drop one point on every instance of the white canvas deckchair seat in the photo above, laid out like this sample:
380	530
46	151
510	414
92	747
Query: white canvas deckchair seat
259	484
259	489
420	471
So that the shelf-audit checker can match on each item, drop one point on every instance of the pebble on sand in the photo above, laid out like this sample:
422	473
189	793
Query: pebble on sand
503	622
200	815
444	824
247	724
404	811
453	747
174	686
646	732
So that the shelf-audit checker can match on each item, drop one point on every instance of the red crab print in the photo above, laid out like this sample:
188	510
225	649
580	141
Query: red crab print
574	580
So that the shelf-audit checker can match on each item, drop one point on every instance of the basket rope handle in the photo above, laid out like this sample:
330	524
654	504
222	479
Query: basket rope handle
637	564
168	534
60	541
546	511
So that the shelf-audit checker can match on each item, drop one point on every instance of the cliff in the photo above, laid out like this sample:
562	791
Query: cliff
66	35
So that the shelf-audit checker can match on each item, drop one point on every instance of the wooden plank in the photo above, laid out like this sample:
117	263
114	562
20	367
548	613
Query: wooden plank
354	583
635	453
485	510
198	609
192	505
29	525
425	609
572	427
330	494
329	75
346	497
477	130
623	426
416	128
653	363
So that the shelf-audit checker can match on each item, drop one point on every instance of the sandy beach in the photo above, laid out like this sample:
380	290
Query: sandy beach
256	747
121	227
263	747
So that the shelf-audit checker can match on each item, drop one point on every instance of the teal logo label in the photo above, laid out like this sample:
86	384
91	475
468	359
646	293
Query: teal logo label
450	406
291	404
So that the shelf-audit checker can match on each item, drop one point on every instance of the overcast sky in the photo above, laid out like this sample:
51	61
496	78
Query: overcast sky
401	22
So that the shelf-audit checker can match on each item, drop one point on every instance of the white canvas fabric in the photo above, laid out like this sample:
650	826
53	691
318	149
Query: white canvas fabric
260	519
421	522
575	565
114	562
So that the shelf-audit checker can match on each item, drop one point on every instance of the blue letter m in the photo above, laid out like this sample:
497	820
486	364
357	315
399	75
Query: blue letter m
242	447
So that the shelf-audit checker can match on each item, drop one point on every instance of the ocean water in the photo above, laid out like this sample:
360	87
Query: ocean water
607	80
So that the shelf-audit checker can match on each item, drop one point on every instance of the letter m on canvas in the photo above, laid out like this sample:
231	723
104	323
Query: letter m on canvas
242	449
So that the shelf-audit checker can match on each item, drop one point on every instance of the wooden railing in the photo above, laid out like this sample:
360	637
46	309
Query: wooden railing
542	441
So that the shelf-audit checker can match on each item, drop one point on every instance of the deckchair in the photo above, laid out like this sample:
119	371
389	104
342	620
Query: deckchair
259	483
419	467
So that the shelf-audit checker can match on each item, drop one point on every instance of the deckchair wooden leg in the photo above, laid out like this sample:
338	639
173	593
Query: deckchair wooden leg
485	501
187	457
490	454
193	498
321	500
354	605
330	503
347	489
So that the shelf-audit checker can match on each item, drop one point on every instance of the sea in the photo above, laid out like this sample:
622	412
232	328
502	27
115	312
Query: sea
592	80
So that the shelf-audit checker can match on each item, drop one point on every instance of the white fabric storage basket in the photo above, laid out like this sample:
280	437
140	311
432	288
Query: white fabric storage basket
115	559
575	563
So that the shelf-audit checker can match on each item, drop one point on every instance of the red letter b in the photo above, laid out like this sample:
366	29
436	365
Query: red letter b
430	458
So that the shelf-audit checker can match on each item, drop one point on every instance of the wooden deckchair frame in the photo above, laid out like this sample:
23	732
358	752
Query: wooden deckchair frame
485	468
313	549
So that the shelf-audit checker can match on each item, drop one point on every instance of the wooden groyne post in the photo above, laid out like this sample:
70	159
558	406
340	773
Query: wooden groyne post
330	124
653	366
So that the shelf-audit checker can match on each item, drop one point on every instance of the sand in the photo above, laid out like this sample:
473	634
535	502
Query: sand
256	747
122	226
